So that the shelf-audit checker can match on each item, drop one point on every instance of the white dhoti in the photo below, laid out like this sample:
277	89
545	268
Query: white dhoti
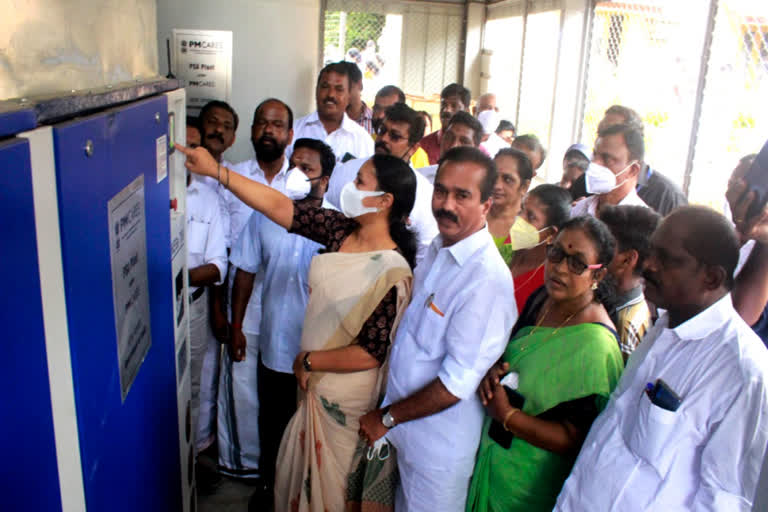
204	369
425	489
238	413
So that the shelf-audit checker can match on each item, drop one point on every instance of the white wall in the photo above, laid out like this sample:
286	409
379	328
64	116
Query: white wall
49	46
275	51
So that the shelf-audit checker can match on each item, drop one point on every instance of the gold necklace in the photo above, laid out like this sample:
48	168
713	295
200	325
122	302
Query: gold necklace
544	316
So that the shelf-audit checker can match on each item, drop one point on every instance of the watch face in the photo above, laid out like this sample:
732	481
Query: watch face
388	420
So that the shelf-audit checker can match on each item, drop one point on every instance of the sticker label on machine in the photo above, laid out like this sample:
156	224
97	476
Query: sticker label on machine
130	286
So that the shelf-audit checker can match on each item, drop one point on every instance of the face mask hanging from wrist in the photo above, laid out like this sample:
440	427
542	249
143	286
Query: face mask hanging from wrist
297	185
351	200
524	235
601	180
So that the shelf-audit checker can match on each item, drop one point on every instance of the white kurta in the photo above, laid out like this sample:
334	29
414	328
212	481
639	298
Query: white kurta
422	222
350	137
428	172
706	455
456	326
588	205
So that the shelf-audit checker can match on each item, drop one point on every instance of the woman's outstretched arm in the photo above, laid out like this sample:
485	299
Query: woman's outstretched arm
276	206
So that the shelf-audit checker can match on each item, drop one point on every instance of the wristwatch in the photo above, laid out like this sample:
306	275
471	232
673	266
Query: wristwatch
387	419
306	363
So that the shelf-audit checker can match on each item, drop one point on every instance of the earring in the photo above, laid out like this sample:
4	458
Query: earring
594	286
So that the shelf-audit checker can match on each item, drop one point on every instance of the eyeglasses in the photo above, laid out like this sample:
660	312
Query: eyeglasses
556	254
393	135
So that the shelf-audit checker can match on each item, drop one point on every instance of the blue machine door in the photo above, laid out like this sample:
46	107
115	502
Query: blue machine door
128	435
29	478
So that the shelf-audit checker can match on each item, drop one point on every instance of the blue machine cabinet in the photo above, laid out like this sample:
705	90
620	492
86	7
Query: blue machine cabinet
129	449
29	478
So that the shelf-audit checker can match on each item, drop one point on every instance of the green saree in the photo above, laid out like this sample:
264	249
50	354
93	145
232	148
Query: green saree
577	362
504	249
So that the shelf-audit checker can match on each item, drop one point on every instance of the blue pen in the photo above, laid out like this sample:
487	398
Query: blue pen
649	390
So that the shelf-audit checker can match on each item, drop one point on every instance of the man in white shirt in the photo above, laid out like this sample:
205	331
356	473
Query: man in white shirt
238	404
462	130
642	452
330	122
492	143
398	135
621	149
207	263
457	325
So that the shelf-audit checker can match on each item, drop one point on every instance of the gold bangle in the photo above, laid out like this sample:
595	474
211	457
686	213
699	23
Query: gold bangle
509	415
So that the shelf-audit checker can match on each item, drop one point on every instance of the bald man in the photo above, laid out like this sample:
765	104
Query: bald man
687	426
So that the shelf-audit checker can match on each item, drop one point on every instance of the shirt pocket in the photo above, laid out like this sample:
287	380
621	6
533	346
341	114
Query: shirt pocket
652	435
197	235
430	330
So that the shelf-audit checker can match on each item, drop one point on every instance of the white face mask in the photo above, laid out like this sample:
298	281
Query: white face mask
601	180
351	200
297	185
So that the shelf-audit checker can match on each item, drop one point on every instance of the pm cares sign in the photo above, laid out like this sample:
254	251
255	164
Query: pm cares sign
203	62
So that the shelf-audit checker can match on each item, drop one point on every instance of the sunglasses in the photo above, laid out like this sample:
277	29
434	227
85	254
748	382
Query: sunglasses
393	136
556	254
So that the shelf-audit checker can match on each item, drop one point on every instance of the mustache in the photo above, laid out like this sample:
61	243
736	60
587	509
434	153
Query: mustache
215	135
445	214
380	144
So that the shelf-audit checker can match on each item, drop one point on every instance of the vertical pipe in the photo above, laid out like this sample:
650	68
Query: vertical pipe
705	53
463	44
321	36
586	46
522	59
557	74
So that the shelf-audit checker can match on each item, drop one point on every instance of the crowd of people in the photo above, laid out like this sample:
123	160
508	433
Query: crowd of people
389	319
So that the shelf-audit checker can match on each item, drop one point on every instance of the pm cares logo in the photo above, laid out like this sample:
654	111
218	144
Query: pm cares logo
200	45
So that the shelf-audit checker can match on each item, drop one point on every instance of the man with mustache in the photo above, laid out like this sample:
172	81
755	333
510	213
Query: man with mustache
686	427
238	405
453	98
398	135
457	325
330	123
461	130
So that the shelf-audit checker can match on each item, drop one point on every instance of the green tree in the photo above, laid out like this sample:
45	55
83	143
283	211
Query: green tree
362	27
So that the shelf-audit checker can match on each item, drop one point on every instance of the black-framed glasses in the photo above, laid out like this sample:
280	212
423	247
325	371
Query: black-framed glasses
556	254
393	135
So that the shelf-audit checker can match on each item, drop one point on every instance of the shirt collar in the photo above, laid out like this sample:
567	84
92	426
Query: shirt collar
254	168
347	124
367	113
633	296
464	249
706	322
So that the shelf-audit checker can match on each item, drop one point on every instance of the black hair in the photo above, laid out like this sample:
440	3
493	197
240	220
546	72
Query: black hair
710	239
391	90
193	121
396	177
524	166
467	119
605	246
532	143
353	72
216	104
428	115
632	227
557	202
339	68
473	155
457	90
633	138
630	116
327	158
275	100
402	113
505	125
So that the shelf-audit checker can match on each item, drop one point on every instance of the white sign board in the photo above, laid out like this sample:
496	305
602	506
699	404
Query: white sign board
203	61
130	286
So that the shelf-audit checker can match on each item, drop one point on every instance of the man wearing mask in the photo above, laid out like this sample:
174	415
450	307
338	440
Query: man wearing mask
238	404
269	258
485	102
385	98
330	123
687	426
460	130
456	326
612	175
453	98
492	143
398	135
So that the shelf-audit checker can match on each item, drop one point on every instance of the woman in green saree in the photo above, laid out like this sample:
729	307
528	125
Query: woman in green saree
564	361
